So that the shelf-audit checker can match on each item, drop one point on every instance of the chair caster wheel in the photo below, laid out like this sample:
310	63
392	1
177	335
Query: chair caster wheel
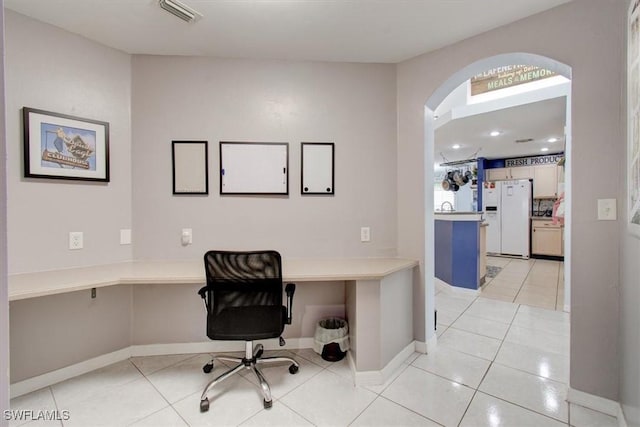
268	405
207	368
293	369
204	405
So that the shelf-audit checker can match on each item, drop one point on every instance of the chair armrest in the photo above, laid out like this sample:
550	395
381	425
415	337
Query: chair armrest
290	289
203	292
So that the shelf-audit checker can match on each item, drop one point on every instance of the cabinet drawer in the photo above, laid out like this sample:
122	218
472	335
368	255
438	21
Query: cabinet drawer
547	240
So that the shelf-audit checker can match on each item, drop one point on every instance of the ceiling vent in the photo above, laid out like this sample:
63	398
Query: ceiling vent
522	141
180	10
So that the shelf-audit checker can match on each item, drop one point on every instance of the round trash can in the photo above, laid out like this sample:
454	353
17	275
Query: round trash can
331	340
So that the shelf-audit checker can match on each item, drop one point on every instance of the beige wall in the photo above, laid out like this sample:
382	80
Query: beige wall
352	105
51	69
53	332
4	314
587	35
176	314
629	318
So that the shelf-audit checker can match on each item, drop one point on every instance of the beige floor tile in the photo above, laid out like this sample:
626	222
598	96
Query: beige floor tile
500	283
515	270
499	297
511	274
500	290
537	290
536	301
497	261
541	282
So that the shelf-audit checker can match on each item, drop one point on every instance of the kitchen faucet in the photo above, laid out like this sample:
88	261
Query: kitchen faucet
446	202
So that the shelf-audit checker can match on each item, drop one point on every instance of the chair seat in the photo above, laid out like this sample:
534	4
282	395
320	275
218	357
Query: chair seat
247	323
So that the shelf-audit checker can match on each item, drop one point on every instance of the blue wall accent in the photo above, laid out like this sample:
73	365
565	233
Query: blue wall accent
494	163
457	255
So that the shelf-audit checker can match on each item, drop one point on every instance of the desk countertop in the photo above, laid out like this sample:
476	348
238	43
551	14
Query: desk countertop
32	285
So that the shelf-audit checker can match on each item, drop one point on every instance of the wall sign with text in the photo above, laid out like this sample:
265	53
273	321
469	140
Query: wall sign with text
507	76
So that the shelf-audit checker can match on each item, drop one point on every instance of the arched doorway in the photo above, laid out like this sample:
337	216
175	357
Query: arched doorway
429	134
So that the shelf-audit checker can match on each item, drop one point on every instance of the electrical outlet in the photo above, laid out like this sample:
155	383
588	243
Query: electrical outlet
187	236
365	234
76	240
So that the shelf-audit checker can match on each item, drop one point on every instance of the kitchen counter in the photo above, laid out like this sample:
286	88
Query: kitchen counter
458	248
458	215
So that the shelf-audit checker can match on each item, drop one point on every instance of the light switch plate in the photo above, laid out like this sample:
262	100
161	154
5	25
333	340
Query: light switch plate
365	234
607	210
187	236
125	236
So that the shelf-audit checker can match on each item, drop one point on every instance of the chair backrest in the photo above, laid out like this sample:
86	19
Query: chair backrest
239	280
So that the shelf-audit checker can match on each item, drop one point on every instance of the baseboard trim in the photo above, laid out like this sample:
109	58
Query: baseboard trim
622	421
215	347
36	383
366	378
53	377
431	344
591	401
421	346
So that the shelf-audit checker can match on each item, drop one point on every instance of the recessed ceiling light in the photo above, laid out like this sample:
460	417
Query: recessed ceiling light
455	146
495	133
552	139
544	149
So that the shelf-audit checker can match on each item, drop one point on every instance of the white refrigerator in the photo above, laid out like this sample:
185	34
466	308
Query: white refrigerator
507	207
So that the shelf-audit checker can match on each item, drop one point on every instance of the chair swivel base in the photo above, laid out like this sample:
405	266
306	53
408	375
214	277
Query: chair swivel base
251	361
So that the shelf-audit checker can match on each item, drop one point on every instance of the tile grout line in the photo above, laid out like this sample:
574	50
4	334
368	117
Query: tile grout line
158	391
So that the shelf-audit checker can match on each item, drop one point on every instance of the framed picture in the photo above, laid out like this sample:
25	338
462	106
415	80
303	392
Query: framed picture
190	167
317	168
633	119
59	146
254	168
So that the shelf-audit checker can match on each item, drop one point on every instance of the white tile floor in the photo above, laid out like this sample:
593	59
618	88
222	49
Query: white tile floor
534	282
497	364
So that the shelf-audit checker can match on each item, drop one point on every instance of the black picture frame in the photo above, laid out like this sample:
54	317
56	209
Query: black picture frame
190	167
315	179
254	168
61	146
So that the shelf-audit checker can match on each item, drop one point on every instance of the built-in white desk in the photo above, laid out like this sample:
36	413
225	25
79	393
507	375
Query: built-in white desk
378	298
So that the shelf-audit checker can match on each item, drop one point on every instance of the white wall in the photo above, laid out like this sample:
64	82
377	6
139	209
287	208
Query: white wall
352	105
587	35
51	69
629	316
4	314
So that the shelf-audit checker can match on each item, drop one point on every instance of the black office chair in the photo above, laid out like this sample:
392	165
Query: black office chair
243	297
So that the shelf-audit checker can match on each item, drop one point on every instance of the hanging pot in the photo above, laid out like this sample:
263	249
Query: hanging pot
455	187
446	186
458	178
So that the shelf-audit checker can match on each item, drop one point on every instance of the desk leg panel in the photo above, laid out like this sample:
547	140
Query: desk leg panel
363	315
396	314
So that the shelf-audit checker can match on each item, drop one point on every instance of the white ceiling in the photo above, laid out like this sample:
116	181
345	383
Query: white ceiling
387	31
539	121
